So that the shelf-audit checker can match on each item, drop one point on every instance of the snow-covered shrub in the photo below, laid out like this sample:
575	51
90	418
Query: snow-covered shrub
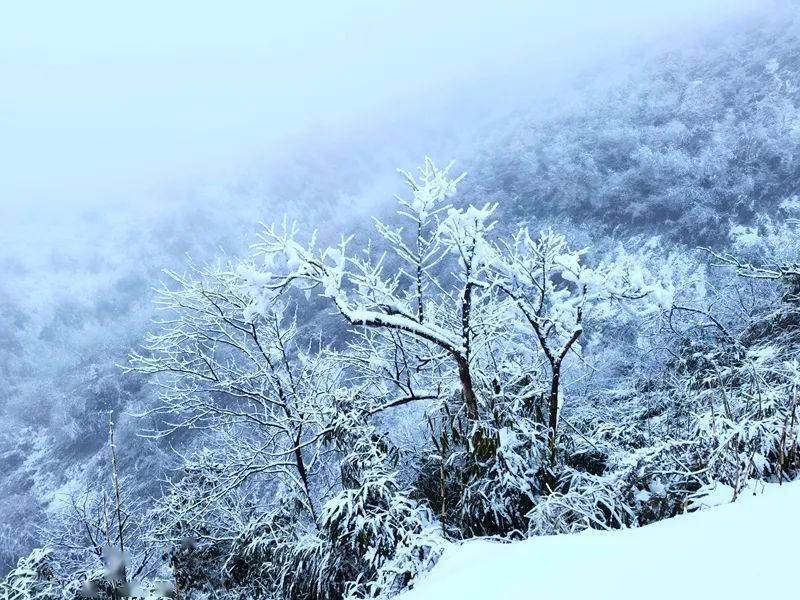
637	487
745	413
84	535
587	502
32	579
502	479
484	480
373	539
188	522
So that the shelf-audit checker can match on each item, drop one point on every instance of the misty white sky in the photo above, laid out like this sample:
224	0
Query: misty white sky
101	103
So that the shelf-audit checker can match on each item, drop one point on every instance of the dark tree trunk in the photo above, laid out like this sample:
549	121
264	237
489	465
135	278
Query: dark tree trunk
301	469
468	391
464	374
553	423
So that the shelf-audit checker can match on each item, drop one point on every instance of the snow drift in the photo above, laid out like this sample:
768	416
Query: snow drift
742	550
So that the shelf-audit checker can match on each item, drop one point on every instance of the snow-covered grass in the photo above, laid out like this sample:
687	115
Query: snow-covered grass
747	549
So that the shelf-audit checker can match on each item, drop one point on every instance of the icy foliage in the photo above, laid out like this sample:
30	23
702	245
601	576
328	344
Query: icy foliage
32	579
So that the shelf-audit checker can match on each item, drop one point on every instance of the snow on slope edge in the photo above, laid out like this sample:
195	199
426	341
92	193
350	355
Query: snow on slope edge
741	550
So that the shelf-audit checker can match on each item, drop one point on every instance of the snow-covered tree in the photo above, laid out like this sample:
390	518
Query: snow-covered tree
554	289
440	308
405	287
428	323
231	362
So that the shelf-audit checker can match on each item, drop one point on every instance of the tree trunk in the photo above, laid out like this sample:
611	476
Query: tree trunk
553	424
464	374
465	377
301	469
118	506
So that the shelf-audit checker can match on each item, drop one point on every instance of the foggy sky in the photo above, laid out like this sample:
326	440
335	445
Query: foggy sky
109	104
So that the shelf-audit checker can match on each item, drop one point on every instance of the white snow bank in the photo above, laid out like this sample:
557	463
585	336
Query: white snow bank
743	550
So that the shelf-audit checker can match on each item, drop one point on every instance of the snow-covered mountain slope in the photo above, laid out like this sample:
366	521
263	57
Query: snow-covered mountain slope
743	550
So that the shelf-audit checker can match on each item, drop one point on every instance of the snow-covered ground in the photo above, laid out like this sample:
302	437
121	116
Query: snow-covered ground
743	550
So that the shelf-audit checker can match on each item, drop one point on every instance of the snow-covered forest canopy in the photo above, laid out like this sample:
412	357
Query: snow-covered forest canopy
574	310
